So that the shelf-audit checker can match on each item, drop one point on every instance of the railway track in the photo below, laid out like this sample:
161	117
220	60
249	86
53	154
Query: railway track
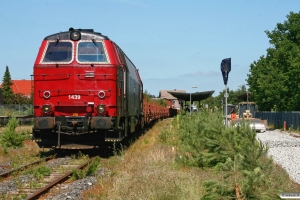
33	188
24	167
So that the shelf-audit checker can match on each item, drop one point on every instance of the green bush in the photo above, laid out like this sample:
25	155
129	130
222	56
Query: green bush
10	138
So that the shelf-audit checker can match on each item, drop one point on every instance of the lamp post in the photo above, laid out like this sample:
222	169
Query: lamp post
191	100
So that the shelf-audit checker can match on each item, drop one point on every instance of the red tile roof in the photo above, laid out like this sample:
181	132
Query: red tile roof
21	86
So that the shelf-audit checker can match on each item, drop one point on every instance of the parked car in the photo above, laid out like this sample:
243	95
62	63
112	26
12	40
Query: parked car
254	123
194	108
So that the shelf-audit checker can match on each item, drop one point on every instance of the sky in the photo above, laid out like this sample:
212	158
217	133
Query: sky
175	44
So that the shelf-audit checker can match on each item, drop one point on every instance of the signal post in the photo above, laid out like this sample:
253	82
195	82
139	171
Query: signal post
225	69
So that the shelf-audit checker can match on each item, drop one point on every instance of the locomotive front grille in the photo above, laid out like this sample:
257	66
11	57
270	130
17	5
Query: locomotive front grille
74	122
70	125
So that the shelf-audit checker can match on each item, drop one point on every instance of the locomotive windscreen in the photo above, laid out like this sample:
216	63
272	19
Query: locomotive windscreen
58	52
91	52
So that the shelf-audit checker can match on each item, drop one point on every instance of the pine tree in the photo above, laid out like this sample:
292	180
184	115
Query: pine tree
7	92
234	152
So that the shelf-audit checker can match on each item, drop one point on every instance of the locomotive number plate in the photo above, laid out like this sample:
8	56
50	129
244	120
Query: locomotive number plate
74	96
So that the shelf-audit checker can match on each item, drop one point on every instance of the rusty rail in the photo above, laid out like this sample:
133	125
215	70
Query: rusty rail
61	179
23	167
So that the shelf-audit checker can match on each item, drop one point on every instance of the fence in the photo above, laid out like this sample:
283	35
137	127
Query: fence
277	119
16	110
23	112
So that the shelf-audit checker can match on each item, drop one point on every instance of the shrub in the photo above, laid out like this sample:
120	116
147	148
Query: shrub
205	142
10	138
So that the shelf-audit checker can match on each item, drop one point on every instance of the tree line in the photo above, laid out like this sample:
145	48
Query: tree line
274	79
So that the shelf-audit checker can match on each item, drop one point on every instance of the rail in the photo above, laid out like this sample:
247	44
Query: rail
22	168
59	180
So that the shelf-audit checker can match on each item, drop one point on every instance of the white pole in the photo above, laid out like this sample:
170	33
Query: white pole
226	120
190	102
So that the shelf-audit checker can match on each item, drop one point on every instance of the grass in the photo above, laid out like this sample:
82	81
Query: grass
39	171
17	157
148	170
90	170
25	153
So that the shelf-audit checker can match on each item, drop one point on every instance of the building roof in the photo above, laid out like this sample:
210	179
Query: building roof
197	96
164	94
21	86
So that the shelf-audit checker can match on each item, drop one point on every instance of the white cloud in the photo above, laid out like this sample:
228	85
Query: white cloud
201	73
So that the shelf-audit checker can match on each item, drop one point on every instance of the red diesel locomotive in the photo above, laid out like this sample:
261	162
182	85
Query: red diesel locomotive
86	91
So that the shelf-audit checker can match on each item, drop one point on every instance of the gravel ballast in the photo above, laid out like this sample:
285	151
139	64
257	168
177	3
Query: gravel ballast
284	149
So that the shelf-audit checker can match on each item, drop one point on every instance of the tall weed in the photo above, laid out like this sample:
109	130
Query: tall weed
39	172
91	170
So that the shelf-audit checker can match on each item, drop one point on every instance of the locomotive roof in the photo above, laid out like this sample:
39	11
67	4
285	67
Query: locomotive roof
86	34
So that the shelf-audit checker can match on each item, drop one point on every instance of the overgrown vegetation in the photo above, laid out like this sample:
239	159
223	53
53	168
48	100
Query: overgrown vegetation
14	157
39	172
203	141
9	138
91	170
172	161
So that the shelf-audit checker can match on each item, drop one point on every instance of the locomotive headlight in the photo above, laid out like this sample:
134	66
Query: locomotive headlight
75	35
46	109
101	108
